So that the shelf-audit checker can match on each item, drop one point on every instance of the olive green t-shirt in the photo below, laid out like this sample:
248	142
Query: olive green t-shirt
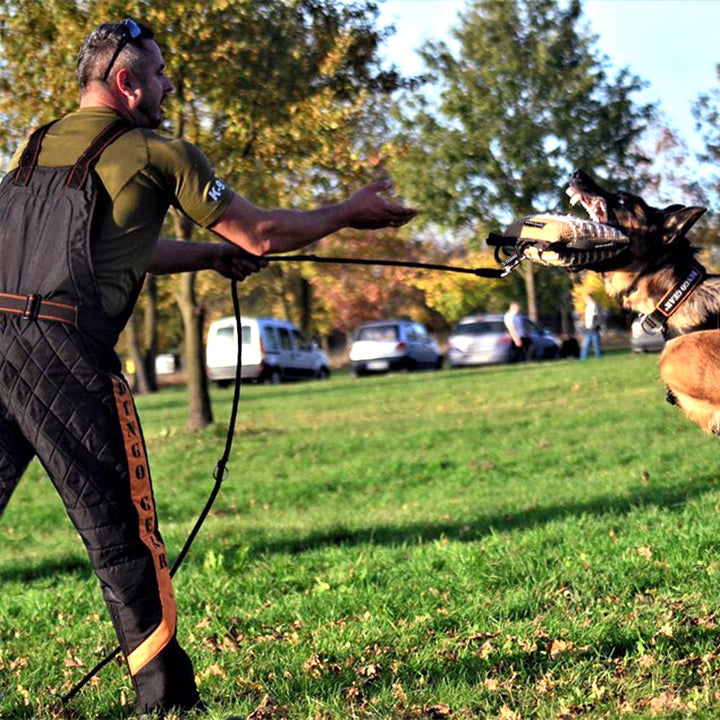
143	174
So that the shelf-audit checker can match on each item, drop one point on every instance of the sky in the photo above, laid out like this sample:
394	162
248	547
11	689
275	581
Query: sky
671	44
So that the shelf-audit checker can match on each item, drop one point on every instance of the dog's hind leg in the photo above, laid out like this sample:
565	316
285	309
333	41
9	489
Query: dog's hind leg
690	368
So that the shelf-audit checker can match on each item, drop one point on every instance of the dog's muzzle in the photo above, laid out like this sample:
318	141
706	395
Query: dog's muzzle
566	242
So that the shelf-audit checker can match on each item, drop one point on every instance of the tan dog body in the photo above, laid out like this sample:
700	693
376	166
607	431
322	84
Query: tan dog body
689	364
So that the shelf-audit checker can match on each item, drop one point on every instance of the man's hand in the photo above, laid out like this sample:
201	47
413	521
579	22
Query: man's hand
235	263
368	210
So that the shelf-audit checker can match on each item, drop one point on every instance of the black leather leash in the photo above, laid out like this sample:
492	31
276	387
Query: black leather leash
506	266
220	472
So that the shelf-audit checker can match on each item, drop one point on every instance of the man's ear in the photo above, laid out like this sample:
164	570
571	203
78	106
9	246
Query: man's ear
124	82
678	220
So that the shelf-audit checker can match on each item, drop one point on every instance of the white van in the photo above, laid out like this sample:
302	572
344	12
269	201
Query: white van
272	350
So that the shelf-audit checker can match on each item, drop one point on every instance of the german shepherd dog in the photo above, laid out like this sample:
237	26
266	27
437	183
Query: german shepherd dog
656	273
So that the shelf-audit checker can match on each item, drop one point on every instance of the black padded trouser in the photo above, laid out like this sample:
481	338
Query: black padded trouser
61	400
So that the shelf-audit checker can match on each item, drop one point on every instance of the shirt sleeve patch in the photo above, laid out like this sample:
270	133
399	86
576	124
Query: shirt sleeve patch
216	190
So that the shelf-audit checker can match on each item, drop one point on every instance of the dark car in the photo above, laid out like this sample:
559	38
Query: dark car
484	339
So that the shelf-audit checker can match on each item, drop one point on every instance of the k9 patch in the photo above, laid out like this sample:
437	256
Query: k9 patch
216	189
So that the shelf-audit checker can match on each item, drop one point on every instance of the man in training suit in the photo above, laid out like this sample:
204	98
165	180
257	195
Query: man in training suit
81	210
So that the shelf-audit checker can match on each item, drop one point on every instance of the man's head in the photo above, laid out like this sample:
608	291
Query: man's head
121	66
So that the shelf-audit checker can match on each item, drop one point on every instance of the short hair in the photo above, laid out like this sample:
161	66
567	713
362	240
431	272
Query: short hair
98	47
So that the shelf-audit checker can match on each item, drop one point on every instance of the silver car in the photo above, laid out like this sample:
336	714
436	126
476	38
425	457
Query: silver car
484	339
386	345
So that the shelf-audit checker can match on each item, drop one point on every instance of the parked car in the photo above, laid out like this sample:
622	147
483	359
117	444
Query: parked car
641	341
273	350
484	339
386	345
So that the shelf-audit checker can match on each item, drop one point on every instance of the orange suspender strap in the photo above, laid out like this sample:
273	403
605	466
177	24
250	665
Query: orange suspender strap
142	498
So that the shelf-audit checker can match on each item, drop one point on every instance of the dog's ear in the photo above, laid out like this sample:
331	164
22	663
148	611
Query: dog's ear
678	220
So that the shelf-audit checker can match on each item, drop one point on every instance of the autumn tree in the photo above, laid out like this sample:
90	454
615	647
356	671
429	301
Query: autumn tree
276	93
521	98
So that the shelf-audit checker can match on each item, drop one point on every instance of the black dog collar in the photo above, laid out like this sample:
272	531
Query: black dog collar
655	321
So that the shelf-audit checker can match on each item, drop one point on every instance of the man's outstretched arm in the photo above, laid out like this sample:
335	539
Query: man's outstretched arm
260	231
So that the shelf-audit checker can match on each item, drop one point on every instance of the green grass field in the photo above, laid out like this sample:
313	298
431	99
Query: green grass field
535	541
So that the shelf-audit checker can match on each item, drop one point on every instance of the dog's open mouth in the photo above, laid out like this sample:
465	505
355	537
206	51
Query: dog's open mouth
594	205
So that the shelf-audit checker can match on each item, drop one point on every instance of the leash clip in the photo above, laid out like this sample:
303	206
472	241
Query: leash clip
32	307
508	265
652	324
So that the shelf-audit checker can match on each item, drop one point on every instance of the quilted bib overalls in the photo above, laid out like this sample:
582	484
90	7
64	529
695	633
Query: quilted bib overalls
62	398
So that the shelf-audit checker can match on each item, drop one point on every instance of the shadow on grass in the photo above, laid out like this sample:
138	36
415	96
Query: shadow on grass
668	498
49	568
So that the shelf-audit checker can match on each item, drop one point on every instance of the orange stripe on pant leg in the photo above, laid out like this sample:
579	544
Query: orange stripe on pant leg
141	491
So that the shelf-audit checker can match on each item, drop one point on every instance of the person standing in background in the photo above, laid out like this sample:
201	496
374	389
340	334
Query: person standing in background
591	327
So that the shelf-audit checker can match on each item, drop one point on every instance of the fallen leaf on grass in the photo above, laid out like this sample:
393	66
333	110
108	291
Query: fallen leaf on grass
399	693
486	649
318	665
440	710
268	709
507	713
24	694
18	663
665	701
545	685
645	552
215	670
73	661
368	671
666	631
558	647
646	661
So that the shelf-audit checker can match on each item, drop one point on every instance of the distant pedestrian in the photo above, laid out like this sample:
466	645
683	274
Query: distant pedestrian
518	333
591	327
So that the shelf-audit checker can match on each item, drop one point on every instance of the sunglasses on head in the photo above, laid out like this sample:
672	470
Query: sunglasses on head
129	30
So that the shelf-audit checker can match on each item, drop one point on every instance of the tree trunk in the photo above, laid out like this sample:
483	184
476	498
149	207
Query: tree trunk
140	380
193	315
305	306
530	292
199	407
150	331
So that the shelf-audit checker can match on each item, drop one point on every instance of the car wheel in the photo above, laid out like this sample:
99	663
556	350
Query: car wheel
273	376
322	373
223	383
439	363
